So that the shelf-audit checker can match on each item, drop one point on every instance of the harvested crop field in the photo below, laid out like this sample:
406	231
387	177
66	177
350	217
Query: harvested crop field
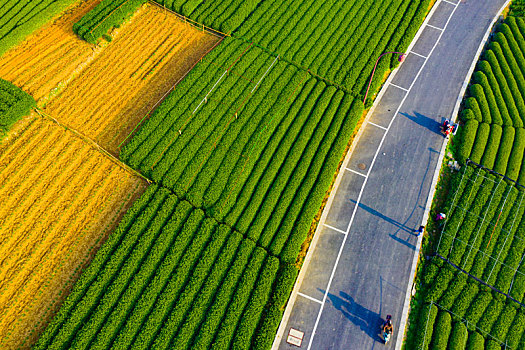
103	92
60	200
130	76
48	59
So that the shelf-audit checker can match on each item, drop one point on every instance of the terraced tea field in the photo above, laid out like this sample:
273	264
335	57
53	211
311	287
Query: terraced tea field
242	153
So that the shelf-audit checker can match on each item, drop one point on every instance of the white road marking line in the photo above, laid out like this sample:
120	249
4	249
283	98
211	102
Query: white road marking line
450	2
376	125
399	87
310	298
431	26
335	229
355	172
418	54
366	180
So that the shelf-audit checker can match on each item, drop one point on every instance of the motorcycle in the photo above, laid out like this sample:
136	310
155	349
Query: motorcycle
387	328
448	128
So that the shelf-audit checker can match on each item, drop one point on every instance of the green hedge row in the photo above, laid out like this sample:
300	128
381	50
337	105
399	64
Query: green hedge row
482	137
476	342
458	337
442	330
496	98
169	277
106	15
14	104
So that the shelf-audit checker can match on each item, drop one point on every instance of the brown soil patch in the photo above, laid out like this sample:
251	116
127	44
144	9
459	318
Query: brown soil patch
60	199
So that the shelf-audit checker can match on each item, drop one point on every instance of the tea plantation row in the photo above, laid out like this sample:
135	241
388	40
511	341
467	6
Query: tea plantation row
171	277
495	108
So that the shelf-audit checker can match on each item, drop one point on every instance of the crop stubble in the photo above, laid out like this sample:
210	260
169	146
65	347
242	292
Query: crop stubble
61	198
49	58
130	75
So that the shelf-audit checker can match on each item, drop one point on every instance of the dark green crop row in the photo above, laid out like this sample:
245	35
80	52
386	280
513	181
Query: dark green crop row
169	277
494	108
106	15
14	104
263	171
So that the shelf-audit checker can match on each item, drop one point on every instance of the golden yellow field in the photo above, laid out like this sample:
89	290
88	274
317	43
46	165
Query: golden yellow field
114	86
47	60
60	198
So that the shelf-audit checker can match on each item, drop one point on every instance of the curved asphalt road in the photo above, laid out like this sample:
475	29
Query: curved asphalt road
361	265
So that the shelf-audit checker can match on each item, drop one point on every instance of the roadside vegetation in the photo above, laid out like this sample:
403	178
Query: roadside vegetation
471	285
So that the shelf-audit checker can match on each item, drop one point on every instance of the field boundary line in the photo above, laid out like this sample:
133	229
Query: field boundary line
192	22
93	144
433	185
302	272
166	94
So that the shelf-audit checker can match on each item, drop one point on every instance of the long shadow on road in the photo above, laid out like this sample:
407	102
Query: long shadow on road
404	226
424	121
368	321
399	225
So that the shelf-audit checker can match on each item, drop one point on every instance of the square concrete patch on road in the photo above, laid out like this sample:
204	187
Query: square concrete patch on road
387	106
302	319
408	71
366	148
344	200
427	40
441	15
323	260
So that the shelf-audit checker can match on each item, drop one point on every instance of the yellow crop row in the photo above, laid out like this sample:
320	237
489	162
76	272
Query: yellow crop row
60	198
